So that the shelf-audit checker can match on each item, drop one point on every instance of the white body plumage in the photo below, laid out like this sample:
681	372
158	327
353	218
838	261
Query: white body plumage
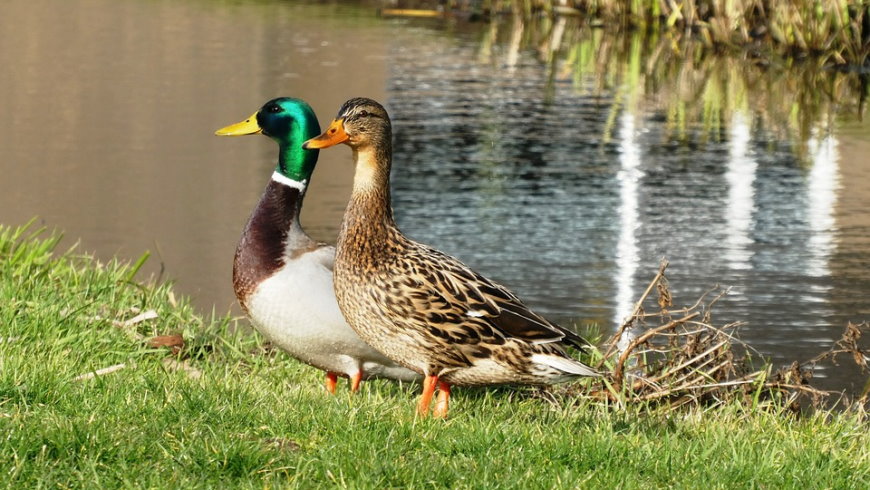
296	310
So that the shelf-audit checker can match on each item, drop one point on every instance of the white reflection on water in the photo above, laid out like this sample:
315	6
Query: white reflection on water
822	184
627	254
741	195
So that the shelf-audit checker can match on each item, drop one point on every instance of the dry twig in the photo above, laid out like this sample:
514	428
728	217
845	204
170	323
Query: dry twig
688	360
100	372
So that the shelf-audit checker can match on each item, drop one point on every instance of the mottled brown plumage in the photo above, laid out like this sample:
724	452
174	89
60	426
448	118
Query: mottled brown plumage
421	307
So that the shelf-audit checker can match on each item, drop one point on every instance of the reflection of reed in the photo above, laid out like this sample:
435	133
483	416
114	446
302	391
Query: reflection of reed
696	90
515	43
833	31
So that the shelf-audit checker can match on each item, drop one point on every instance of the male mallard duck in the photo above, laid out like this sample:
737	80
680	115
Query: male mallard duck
419	306
281	276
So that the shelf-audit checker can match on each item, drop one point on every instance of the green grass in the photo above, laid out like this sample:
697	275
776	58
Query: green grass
256	418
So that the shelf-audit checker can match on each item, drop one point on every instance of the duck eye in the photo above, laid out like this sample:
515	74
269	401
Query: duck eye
363	113
273	109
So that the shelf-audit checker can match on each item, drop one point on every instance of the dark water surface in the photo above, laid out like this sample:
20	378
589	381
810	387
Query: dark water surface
560	162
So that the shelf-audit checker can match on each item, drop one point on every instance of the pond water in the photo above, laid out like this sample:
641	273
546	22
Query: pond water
561	161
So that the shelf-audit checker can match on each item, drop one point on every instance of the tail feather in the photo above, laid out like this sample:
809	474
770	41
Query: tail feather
566	365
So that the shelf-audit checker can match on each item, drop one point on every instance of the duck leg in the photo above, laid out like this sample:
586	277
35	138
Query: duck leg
429	383
442	401
331	382
355	380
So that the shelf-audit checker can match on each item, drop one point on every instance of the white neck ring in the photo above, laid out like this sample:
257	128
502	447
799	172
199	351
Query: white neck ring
284	180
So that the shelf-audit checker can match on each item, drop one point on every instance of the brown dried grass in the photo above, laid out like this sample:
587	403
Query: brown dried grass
679	357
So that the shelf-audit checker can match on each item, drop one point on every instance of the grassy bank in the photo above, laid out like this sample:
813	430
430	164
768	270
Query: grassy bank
224	410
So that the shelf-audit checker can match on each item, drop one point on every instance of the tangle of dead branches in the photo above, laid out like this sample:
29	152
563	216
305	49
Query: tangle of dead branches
676	357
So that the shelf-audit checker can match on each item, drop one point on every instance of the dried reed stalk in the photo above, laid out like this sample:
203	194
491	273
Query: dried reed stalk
687	360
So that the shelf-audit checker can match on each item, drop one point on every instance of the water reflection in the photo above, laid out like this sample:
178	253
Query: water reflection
822	184
112	141
609	155
741	194
627	254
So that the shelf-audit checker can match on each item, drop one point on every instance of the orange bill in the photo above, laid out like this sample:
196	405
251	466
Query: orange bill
333	135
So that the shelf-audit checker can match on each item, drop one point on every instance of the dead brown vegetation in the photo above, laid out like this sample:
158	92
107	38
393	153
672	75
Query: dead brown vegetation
676	357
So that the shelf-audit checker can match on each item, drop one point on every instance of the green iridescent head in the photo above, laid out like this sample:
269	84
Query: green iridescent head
289	122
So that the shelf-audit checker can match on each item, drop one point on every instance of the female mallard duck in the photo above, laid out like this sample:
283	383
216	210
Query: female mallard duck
281	276
421	307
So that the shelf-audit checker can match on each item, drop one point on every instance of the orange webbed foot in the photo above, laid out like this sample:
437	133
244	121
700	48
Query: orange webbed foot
429	383
331	382
355	381
443	400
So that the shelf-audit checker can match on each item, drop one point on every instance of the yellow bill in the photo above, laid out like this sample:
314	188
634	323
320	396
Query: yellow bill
248	126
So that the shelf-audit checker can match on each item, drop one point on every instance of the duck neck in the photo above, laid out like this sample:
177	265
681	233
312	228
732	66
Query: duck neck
270	236
371	181
274	224
369	215
294	162
281	203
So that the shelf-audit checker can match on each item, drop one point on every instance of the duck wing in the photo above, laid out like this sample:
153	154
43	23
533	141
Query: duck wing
458	298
